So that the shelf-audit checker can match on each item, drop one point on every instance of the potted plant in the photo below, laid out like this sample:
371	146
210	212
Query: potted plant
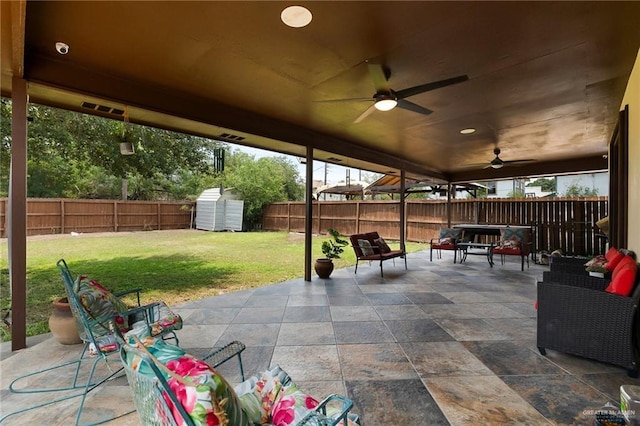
332	249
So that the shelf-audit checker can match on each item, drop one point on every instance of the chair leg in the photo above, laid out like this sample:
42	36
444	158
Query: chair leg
430	254
356	271
82	389
381	273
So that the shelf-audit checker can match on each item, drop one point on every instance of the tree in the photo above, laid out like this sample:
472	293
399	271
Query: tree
546	185
78	155
261	182
575	190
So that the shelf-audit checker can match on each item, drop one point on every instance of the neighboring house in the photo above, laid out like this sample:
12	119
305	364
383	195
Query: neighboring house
594	181
536	192
506	188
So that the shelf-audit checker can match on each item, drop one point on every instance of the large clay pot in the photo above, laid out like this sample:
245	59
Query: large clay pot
324	267
62	324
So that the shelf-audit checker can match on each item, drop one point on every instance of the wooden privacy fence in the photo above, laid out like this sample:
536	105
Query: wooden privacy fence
61	216
557	223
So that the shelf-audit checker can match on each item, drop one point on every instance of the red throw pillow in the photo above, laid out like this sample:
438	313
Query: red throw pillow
625	261
613	257
622	284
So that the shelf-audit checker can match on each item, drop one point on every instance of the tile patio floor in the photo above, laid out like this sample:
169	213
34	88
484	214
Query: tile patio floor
439	343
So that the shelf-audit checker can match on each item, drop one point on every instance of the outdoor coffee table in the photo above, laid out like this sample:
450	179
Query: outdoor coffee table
468	248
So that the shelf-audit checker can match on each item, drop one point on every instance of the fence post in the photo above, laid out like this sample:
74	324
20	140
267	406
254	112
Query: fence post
357	217
115	216
160	217
289	216
63	219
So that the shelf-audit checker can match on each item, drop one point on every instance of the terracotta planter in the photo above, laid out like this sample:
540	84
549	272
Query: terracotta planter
62	324
324	267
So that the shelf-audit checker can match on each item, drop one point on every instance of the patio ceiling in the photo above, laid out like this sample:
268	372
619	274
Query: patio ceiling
545	78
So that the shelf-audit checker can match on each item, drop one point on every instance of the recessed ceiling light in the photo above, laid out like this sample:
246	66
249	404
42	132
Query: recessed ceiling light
296	16
468	131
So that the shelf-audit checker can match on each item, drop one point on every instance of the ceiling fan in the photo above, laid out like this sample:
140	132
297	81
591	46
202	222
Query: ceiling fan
498	163
385	98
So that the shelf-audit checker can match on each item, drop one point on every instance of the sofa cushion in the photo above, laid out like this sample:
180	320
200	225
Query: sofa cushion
366	247
452	234
613	257
598	261
382	245
624	280
626	261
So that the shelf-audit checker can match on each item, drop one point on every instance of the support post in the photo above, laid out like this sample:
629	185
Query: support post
18	214
308	217
403	213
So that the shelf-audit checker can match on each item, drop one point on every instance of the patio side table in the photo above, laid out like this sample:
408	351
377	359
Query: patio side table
468	248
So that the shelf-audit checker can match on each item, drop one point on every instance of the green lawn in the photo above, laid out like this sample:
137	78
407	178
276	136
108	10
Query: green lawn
173	266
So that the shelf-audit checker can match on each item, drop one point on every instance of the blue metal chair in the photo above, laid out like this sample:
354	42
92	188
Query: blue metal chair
101	343
149	380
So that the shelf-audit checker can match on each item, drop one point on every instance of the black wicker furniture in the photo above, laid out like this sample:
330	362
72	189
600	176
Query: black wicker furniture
577	316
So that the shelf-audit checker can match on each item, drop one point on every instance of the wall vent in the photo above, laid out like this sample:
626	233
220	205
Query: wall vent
231	137
334	159
103	108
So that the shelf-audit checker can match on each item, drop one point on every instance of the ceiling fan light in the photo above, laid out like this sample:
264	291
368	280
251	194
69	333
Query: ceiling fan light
496	164
386	104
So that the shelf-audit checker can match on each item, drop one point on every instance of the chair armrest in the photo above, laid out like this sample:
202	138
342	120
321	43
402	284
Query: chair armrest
323	411
127	292
224	354
575	280
589	309
146	310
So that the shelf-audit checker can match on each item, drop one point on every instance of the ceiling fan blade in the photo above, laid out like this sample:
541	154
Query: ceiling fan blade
518	161
404	104
365	114
401	94
379	76
345	100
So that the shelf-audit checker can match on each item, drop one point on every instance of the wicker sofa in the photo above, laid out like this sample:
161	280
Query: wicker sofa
369	246
577	316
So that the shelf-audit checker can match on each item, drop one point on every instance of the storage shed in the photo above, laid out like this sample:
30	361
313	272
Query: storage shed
218	209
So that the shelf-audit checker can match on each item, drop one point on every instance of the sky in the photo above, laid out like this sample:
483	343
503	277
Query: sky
335	173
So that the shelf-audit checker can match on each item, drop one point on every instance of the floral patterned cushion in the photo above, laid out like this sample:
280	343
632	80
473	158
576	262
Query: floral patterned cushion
164	319
101	306
272	398
204	394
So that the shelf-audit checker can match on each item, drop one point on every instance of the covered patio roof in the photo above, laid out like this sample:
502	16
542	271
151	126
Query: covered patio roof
541	81
543	77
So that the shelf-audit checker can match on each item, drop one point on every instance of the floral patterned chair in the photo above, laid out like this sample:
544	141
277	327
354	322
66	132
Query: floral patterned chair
100	318
171	387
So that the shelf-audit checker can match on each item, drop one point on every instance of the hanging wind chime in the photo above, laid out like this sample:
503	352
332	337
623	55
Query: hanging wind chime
126	146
